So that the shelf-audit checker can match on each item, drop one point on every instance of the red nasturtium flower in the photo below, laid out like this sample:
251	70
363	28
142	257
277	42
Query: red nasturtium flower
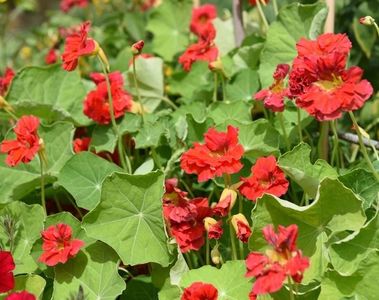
6	80
27	142
273	97
96	104
220	154
283	261
241	227
201	16
137	47
23	295
213	228
200	291
81	144
184	216
78	44
66	5
225	204
319	81
51	56
204	50
58	245
6	267
266	178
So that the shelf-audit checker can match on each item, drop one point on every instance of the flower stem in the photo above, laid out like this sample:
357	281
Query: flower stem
335	155
207	251
9	112
223	87
300	131
124	159
363	147
135	80
169	102
43	200
189	260
285	136
276	10
215	76
292	294
232	239
323	142
262	15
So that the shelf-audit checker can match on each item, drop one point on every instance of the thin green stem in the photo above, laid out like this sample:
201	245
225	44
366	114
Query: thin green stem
323	142
169	102
43	200
299	129
189	260
291	292
75	206
223	87
125	162
207	262
9	112
215	76
335	155
135	80
262	15
227	179
363	147
377	28
276	10
232	239
285	135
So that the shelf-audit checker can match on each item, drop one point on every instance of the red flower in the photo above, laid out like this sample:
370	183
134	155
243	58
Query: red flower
27	142
266	178
200	291
77	45
320	82
204	50
58	245
6	80
137	47
273	97
254	2
24	295
6	267
81	144
66	5
213	228
271	269
51	57
220	155
225	204
241	227
201	16
96	105
148	4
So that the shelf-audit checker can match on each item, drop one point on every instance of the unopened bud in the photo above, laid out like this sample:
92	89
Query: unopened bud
218	67
241	227
216	255
225	204
213	228
137	47
368	20
101	54
42	151
137	108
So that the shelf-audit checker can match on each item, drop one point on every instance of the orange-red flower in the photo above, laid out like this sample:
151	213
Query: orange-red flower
241	227
5	80
213	228
51	56
6	267
201	16
96	104
225	204
66	5
81	144
58	245
23	295
220	155
204	50
200	291
273	97
27	142
266	178
320	82
78	44
283	261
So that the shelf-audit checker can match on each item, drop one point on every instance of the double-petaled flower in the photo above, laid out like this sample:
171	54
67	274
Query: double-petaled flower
200	291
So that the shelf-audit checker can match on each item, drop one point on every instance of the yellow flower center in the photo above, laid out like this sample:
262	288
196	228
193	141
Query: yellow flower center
329	85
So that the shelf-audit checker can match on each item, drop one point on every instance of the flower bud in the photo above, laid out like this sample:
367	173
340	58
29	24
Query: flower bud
242	227
101	54
137	108
226	202
368	20
213	228
137	47
42	151
216	255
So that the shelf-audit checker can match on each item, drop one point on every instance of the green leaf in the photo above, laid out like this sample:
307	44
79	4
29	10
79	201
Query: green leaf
347	255
335	209
225	35
145	168
29	224
94	269
83	175
50	93
259	139
366	36
140	288
247	57
169	24
197	129
129	218
19	181
244	86
296	164
222	112
150	135
31	283
294	22
363	184
229	280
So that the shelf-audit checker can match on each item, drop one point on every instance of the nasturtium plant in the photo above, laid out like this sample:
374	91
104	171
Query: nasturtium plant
189	150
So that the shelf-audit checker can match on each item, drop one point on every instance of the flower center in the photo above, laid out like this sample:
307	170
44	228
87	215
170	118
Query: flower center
329	85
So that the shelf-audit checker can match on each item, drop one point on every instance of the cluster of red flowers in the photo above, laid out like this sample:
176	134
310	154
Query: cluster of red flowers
200	291
185	217
205	48
96	104
319	81
283	261
67	5
5	80
27	142
58	245
7	281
